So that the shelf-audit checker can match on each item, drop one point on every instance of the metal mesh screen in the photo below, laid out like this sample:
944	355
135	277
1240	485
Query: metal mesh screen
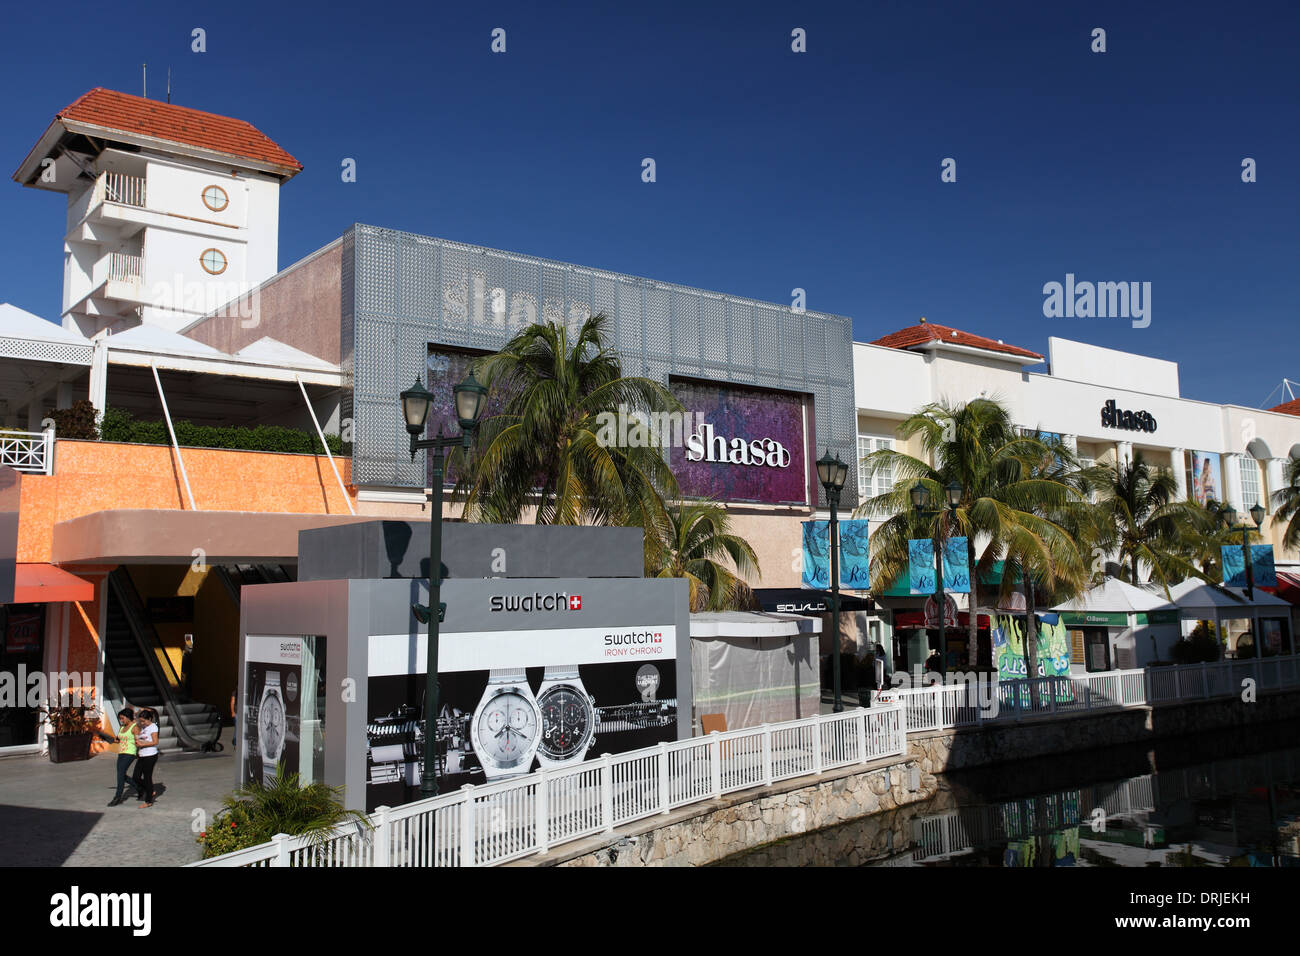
402	291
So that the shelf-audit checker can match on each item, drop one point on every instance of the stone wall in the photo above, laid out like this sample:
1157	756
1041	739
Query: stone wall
720	829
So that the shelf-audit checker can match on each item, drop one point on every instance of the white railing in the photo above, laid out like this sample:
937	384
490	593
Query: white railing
120	188
124	267
973	704
499	822
31	452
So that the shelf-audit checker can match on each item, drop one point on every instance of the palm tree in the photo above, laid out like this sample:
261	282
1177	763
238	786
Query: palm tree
698	545
1287	501
550	446
1147	526
1005	507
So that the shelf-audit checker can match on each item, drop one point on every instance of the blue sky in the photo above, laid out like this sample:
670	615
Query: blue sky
775	170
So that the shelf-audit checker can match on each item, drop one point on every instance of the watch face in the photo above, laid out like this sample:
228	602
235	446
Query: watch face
507	729
270	724
566	722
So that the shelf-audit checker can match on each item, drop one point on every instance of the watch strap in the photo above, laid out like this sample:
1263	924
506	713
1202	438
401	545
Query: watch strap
561	672
507	675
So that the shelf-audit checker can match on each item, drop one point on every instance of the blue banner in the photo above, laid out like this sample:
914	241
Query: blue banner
855	571
920	565
956	566
1261	566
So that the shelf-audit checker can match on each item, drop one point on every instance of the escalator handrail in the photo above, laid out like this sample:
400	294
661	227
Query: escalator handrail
128	600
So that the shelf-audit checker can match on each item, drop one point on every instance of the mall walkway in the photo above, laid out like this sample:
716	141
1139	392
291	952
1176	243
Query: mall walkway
55	814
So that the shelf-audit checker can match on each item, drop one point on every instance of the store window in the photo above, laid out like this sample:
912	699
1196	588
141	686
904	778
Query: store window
1250	483
879	481
215	198
22	633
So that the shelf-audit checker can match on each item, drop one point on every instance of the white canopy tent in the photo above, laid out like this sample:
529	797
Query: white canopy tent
1141	625
754	667
1198	601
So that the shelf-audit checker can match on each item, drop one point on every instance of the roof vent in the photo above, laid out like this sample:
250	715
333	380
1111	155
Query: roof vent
922	322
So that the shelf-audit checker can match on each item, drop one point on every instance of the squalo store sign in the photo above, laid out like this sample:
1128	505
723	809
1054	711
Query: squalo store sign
752	445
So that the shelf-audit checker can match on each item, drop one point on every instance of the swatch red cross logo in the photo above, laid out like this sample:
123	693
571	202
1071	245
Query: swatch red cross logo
575	602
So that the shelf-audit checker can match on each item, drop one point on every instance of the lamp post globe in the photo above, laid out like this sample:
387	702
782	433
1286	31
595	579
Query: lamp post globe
416	402
920	496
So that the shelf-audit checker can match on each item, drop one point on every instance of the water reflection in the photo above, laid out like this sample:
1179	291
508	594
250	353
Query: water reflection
1168	809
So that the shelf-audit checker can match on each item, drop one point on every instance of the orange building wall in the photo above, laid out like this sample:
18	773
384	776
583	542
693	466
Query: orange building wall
92	476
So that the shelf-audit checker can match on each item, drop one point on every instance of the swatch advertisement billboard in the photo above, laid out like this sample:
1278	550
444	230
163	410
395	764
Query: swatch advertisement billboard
745	444
565	686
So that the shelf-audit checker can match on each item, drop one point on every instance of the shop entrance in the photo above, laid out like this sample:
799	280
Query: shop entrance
21	655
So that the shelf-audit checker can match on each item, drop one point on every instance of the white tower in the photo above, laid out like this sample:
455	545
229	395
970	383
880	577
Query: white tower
172	212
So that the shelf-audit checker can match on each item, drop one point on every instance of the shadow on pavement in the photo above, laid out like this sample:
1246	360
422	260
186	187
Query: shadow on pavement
38	837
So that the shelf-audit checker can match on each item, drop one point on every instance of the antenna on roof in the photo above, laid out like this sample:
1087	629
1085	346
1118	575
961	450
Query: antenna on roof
144	80
169	84
1288	390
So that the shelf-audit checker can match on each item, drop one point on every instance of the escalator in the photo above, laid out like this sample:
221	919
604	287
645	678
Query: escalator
144	676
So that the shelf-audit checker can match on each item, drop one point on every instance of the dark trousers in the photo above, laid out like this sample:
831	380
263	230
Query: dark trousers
144	777
124	762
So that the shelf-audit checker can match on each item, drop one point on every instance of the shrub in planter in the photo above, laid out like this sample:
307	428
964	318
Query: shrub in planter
74	726
75	422
256	812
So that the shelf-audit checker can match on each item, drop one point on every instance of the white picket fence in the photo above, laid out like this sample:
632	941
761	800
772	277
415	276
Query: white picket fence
970	704
495	823
498	822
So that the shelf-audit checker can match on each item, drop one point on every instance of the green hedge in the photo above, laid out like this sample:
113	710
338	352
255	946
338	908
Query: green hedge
120	426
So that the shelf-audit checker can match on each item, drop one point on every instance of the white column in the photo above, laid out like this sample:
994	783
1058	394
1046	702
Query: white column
63	395
1123	452
1178	461
99	375
1273	469
1232	481
1071	442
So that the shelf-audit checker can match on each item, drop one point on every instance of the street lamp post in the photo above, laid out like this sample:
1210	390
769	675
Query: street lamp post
920	496
832	472
416	402
1228	515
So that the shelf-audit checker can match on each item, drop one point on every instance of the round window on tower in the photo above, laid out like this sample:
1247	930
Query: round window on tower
213	261
215	198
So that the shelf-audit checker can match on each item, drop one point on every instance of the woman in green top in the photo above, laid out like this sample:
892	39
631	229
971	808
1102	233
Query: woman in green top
126	751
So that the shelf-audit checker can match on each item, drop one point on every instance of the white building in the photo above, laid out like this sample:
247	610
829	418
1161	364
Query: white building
172	212
897	374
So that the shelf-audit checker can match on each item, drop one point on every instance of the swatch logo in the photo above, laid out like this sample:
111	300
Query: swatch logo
634	637
559	601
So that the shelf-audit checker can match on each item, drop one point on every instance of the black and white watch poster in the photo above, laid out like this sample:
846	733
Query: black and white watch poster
513	701
270	717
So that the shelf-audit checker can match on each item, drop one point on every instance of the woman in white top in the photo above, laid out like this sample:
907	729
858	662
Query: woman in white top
147	740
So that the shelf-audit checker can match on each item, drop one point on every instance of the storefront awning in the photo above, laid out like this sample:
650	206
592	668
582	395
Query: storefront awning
916	619
44	584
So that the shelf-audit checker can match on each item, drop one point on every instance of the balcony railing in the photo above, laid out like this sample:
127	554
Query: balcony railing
120	188
124	267
31	452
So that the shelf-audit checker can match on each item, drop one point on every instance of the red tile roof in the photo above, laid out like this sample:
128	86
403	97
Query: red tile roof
176	124
924	332
1288	408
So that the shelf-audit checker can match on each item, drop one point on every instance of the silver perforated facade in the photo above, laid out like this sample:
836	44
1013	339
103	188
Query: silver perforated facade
401	292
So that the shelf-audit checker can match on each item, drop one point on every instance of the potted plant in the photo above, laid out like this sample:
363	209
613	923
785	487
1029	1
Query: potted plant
74	726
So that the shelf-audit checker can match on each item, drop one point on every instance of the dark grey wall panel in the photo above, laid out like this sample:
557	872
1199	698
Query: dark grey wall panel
403	291
400	549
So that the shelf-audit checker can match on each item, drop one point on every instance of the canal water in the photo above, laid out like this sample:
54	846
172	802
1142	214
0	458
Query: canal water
1229	798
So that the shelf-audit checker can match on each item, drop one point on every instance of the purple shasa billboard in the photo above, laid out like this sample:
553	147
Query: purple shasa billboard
750	446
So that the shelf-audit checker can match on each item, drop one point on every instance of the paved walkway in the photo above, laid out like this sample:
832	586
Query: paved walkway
55	814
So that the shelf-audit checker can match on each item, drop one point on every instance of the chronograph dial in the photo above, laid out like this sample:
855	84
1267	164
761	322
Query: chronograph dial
506	725
271	726
568	718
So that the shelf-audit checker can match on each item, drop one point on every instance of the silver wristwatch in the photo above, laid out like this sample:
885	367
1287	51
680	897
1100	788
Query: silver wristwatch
271	726
507	725
568	718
